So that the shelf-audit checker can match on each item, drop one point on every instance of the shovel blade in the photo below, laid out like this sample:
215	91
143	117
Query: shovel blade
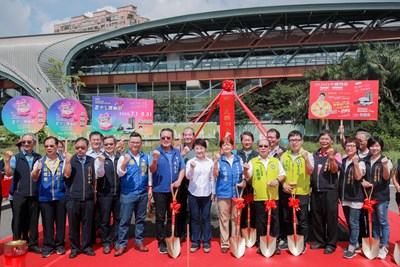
267	245
250	236
370	247
295	244
237	246
396	253
173	246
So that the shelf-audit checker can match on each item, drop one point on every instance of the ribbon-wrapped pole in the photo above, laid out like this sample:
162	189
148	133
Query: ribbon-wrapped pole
294	203
175	206
270	204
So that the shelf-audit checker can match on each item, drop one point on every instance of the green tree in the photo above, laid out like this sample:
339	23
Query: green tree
172	109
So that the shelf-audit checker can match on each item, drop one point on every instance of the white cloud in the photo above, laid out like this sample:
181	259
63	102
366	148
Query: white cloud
14	18
48	27
108	8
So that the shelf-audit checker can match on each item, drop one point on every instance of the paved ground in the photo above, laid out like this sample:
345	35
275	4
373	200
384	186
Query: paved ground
6	215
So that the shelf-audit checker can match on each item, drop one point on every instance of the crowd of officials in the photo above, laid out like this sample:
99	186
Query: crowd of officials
103	175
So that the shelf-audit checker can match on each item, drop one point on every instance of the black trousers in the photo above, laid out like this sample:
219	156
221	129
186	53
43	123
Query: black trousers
261	219
324	209
243	218
53	214
25	215
182	216
301	215
162	203
109	205
80	213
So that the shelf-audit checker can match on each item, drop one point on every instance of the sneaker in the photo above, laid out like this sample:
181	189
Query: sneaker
60	250
207	247
195	247
383	251
162	248
283	245
277	251
349	254
224	250
46	254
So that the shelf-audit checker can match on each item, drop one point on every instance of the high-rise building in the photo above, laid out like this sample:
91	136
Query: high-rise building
102	20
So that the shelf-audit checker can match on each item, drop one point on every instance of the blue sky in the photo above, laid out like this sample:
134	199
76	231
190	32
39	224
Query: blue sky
25	17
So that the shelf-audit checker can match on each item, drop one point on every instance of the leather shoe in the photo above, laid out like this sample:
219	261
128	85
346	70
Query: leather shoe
73	254
141	247
35	249
106	249
329	250
89	252
317	246
120	251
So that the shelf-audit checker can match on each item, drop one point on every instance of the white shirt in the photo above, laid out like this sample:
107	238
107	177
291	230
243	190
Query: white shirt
99	166
201	180
265	163
94	154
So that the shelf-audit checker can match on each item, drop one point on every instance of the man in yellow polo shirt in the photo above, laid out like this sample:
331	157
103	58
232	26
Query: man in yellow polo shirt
299	165
265	173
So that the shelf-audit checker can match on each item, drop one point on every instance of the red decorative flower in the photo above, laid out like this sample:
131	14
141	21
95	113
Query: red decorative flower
368	204
270	204
294	203
228	85
249	198
175	206
239	203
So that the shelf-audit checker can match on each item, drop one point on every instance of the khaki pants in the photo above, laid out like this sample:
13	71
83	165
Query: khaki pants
226	213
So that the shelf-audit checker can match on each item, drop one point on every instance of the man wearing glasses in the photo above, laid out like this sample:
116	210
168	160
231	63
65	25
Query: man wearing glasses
79	179
133	168
107	193
51	189
25	207
168	169
299	165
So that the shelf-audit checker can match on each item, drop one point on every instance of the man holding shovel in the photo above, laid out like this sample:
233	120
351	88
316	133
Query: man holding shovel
168	168
299	165
265	173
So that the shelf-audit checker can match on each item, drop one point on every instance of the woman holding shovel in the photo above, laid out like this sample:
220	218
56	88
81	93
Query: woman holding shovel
228	170
201	193
351	192
379	179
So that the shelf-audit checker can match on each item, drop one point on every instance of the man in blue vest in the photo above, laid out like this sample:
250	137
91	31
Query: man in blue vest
51	190
25	207
168	169
135	190
80	182
107	193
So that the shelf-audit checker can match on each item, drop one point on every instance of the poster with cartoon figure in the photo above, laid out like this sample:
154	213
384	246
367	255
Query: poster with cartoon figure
343	100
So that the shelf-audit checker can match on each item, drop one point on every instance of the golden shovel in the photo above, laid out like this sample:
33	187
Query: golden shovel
295	241
249	233
237	243
173	243
396	253
370	245
267	242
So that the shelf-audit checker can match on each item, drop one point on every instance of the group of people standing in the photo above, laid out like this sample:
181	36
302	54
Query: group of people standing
121	183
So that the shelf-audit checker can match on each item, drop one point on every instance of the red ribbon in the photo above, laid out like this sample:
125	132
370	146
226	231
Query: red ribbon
228	85
294	203
249	198
368	205
175	206
270	204
239	203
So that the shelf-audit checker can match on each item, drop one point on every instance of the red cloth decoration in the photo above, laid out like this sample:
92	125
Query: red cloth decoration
249	198
294	203
175	206
270	204
228	85
239	203
368	205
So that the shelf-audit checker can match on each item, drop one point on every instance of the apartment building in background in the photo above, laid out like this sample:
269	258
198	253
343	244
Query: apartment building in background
102	20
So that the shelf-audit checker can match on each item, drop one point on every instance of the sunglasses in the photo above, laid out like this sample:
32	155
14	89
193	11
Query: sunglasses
80	147
166	138
26	142
46	146
266	146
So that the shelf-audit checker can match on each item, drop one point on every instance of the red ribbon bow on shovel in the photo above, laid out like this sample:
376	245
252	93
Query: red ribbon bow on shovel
249	198
270	204
368	204
175	206
294	203
239	203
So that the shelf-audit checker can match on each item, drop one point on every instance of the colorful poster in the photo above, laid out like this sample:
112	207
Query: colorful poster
343	100
67	118
122	115
23	114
